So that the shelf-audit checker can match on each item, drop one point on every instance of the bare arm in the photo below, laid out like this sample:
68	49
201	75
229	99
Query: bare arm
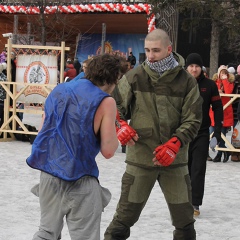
105	118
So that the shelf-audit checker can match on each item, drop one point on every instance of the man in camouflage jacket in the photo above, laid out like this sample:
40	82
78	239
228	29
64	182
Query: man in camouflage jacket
163	104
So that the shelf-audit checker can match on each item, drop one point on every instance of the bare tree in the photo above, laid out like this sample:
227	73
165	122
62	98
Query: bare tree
223	15
44	28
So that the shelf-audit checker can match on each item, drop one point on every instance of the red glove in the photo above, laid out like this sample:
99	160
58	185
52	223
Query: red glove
166	153
124	132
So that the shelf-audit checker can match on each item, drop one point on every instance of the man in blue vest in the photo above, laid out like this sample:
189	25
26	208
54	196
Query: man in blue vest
78	123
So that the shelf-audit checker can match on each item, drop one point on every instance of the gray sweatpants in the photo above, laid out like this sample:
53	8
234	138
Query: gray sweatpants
81	201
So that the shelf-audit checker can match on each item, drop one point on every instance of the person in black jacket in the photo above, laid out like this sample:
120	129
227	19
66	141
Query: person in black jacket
132	59
198	148
77	65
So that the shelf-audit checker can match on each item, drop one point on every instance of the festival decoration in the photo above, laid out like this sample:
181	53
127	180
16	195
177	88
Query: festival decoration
85	8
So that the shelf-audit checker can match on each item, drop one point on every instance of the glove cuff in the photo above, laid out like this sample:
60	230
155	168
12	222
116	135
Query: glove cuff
177	141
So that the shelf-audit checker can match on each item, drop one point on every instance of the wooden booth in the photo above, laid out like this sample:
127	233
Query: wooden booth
36	75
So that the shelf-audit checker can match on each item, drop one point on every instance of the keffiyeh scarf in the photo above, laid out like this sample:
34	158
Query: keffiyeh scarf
163	65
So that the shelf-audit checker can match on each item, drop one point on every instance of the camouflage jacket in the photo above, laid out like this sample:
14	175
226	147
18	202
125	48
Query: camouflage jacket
159	108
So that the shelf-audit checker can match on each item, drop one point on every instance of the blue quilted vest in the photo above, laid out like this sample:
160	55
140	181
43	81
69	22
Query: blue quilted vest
66	146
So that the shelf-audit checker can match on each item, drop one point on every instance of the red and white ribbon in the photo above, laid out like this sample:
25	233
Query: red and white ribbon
84	8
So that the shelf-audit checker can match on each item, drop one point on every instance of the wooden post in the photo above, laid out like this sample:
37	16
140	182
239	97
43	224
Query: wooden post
9	79
62	62
103	38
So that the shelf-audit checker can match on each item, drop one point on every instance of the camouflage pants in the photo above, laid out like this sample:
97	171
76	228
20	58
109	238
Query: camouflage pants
137	184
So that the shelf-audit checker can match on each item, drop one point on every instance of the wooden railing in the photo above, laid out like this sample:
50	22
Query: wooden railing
229	146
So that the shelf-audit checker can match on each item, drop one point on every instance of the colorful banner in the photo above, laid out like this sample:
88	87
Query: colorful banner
35	69
91	44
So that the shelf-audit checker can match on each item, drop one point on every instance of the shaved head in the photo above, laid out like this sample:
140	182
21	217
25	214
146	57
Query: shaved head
159	34
157	45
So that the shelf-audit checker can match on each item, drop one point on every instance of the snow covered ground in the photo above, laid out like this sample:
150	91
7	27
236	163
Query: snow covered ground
20	213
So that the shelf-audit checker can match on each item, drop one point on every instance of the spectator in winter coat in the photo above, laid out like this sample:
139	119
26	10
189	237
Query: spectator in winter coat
235	156
84	67
238	69
3	78
231	70
77	65
70	72
225	84
198	148
132	59
3	57
205	71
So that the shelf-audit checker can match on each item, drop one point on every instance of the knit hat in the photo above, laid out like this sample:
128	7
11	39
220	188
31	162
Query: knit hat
231	70
238	70
222	67
194	58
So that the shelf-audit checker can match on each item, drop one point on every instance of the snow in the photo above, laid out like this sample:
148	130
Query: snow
20	213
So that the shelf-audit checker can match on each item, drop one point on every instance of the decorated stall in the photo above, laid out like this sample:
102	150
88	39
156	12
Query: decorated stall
37	73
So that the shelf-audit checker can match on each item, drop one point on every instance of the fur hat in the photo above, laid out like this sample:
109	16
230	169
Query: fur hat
231	77
238	70
231	70
222	67
194	58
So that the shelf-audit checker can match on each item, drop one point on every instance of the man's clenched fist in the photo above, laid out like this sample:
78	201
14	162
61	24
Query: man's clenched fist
166	153
125	133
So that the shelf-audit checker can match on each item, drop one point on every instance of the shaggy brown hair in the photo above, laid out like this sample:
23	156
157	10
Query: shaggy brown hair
106	69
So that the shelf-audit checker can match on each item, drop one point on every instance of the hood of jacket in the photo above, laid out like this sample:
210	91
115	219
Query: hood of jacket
223	67
231	77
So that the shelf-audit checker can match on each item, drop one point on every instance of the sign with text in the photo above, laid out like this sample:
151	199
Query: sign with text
35	69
